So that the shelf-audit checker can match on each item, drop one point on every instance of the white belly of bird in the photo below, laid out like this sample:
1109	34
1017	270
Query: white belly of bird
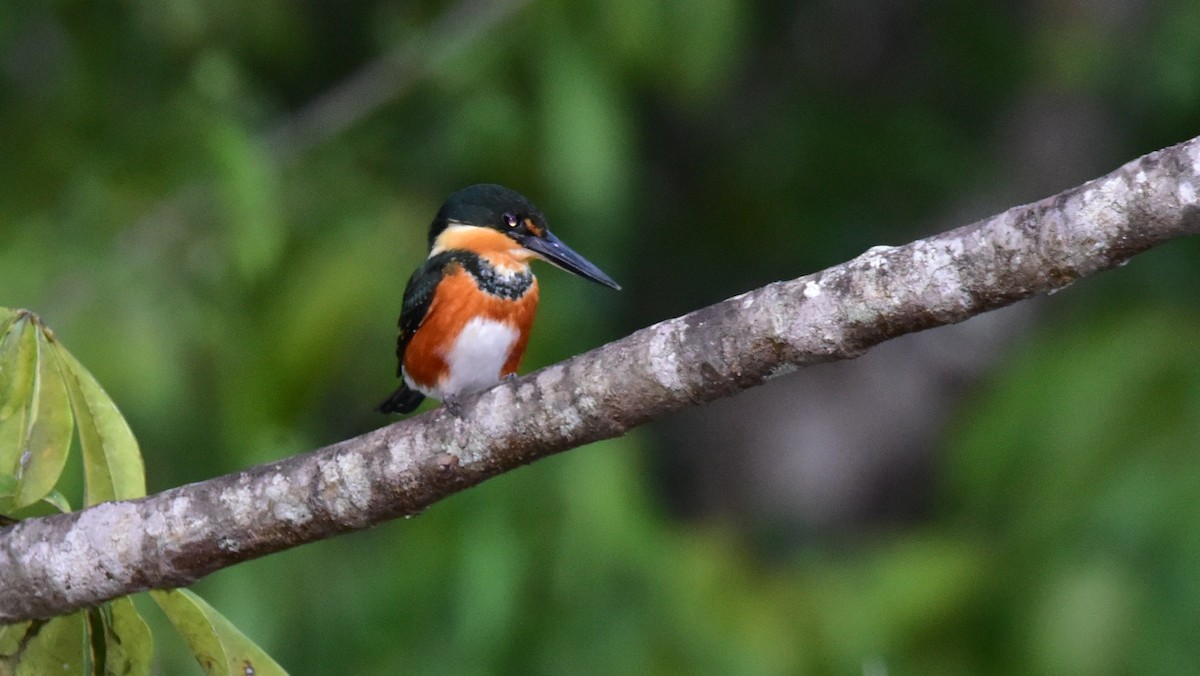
476	357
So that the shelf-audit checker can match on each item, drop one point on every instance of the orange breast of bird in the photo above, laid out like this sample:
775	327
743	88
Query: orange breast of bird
457	301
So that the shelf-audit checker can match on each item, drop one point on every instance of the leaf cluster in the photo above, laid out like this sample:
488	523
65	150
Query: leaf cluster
45	395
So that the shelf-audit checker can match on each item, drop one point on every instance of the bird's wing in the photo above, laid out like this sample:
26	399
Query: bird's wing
418	296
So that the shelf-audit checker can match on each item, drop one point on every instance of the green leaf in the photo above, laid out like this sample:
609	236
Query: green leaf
48	436
96	638
18	365
7	317
54	647
10	642
9	487
18	361
58	501
112	463
129	645
218	646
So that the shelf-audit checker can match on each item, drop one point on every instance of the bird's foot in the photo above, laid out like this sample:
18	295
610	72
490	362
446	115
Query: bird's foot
454	405
509	378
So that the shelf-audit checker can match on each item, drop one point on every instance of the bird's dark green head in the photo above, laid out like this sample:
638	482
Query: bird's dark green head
493	207
485	205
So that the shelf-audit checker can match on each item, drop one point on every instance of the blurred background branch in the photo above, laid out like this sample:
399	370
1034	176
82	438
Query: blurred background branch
353	99
387	78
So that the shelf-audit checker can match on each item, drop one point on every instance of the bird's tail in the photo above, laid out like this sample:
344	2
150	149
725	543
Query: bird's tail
403	400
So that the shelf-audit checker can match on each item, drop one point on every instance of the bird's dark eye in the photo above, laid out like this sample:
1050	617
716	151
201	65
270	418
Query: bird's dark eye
510	220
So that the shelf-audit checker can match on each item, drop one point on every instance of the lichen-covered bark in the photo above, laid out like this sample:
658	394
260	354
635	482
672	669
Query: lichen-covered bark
56	564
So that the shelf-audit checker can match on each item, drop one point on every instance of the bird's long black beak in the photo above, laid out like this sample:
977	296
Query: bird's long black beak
552	249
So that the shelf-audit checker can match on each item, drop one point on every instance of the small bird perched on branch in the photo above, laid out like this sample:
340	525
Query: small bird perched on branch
469	307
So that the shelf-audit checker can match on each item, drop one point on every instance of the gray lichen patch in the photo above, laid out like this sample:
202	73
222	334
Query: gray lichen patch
467	445
240	502
566	421
1186	192
1100	206
663	355
549	377
344	485
779	371
285	502
356	479
101	549
1193	153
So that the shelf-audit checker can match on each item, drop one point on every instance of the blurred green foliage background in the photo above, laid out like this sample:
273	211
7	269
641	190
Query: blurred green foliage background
216	205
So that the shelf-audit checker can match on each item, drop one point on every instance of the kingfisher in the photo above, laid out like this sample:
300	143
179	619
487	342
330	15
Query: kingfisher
468	308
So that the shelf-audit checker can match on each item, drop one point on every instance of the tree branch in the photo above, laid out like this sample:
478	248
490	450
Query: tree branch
56	564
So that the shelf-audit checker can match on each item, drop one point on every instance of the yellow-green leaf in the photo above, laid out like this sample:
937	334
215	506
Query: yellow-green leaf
10	642
48	436
18	357
9	487
129	645
7	315
55	647
18	365
112	463
219	647
58	501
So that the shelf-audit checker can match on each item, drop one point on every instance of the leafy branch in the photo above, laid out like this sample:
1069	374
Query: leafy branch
45	395
58	564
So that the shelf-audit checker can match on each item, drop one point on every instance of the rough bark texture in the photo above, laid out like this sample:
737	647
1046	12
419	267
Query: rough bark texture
56	564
